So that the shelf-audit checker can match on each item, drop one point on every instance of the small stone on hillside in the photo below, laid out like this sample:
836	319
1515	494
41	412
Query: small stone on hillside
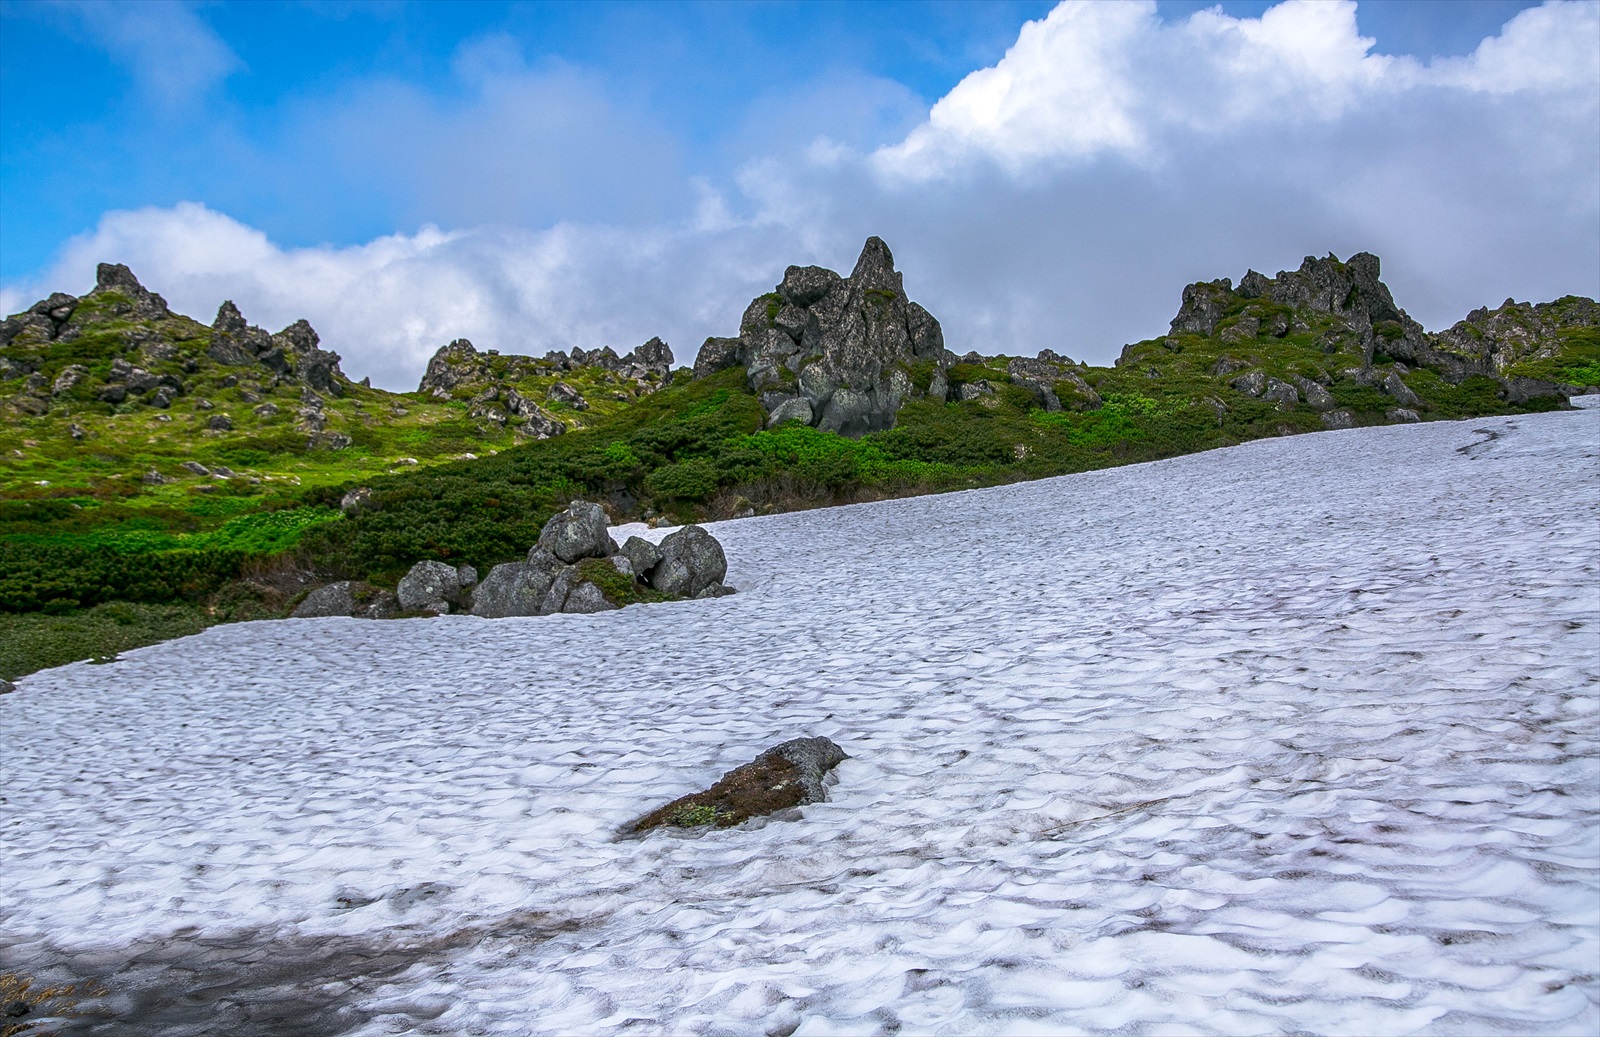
153	478
220	423
6	687
348	598
196	467
788	775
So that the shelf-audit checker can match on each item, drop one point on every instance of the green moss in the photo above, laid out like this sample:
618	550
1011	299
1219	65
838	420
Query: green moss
774	303
619	589
695	815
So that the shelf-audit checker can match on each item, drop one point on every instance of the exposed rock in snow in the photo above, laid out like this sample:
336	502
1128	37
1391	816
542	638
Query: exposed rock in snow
787	775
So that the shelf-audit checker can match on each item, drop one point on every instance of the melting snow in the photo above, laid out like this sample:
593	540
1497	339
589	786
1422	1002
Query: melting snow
1296	736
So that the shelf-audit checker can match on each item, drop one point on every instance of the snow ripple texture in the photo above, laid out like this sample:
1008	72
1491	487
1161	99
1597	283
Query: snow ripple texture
1298	736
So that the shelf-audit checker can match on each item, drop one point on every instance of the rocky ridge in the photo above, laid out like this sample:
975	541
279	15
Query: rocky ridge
1348	315
489	381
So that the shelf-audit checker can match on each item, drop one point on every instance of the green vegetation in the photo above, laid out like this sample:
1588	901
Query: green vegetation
696	815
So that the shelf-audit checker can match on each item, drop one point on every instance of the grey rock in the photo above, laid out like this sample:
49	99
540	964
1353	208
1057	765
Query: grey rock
979	389
428	585
848	342
585	599
1283	394
222	471
1400	391
220	423
622	564
561	392
161	398
467	576
1253	383
77	431
1204	303
152	477
691	561
1317	398
68	379
135	303
536	587
578	532
196	467
642	555
1341	418
1243	329
348	598
1402	414
716	354
355	500
203	404
6	687
113	394
265	410
450	366
793	408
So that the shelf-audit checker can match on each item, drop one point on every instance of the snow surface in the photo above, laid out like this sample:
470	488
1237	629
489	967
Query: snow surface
1298	736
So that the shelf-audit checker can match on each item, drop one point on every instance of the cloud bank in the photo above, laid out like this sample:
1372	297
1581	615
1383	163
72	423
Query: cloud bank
1059	199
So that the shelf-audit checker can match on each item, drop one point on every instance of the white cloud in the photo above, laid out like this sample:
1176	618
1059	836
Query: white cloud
388	304
172	54
1059	199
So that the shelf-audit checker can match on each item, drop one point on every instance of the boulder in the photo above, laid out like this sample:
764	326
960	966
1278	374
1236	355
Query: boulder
467	575
788	775
1402	414
1400	391
530	588
642	555
1283	394
691	561
563	393
348	598
429	586
1341	418
578	532
355	500
6	687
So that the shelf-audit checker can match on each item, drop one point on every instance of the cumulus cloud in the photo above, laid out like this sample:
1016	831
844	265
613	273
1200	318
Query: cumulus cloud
172	54
388	304
1060	198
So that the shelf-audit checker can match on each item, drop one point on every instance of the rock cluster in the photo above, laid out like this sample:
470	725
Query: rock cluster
491	378
290	355
1372	325
839	353
788	775
577	567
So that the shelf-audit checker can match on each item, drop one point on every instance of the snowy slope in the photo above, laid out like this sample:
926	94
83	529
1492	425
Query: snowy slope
1297	736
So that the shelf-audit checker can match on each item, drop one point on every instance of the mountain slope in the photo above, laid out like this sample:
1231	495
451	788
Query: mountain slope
1292	737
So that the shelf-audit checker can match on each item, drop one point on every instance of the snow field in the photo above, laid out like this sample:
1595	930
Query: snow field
1296	736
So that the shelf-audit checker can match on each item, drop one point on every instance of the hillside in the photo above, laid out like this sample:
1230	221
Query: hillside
158	475
1297	737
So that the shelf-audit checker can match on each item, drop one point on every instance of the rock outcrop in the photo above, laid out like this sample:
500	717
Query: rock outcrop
496	386
791	774
1367	322
841	354
577	567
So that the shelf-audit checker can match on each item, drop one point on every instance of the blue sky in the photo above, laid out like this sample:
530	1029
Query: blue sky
549	175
